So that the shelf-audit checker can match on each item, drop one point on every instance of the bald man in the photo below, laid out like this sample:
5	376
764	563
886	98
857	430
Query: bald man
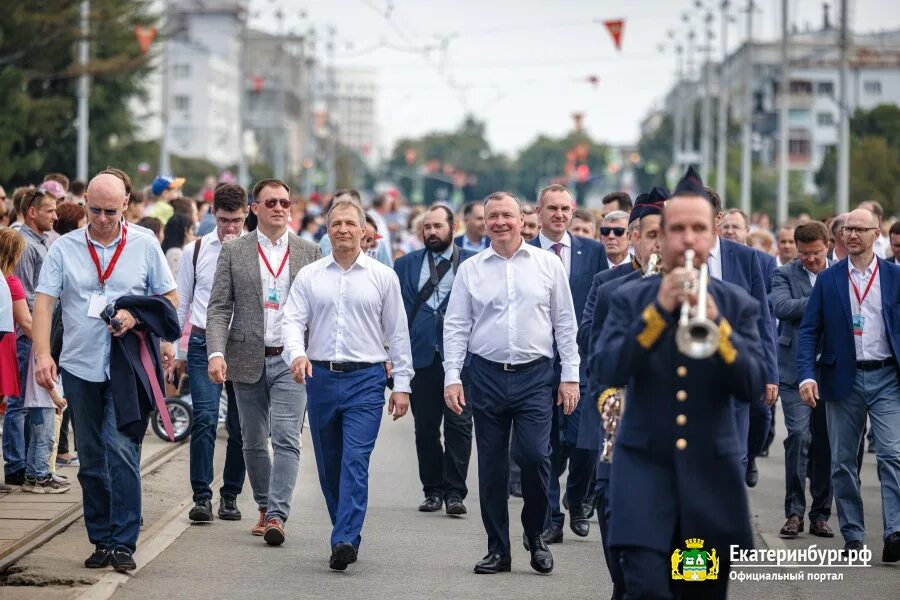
87	270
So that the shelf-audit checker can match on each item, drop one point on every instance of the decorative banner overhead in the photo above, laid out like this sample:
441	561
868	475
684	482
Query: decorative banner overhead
615	29
145	37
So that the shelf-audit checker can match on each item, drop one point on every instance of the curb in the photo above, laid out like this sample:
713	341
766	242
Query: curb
52	528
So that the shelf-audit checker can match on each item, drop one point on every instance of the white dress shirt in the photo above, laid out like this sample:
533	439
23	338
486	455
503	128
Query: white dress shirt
873	343
714	260
882	247
274	254
351	316
625	261
509	310
195	303
565	252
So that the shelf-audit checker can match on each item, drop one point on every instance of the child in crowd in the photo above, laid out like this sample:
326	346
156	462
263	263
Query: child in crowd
44	408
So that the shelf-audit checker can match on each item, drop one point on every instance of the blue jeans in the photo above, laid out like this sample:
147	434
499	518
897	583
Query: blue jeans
344	417
205	403
110	472
878	394
42	422
15	426
800	460
273	406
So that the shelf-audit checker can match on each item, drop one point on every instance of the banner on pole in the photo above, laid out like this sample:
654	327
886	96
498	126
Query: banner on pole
615	28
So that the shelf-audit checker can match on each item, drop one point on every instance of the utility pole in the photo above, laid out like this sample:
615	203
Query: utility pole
332	122
783	131
310	163
677	110
722	122
747	125
843	174
164	166
243	174
706	105
689	92
81	166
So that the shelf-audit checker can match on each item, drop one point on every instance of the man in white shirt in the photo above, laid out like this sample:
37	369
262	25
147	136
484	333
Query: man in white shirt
352	308
195	281
508	305
612	234
243	338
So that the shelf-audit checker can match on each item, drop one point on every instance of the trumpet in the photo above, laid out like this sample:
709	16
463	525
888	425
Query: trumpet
697	336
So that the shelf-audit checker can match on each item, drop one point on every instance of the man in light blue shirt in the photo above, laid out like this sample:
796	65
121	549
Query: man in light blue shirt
86	270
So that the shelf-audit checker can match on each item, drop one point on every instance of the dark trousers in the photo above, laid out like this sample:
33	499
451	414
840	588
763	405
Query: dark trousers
344	417
565	453
612	564
110	471
648	575
803	457
234	471
62	445
501	400
442	470
205	407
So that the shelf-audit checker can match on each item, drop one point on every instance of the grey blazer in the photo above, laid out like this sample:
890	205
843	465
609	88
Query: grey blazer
237	290
790	293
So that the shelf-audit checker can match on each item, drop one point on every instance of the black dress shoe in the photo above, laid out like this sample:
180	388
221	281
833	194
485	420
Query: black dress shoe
455	506
431	504
791	528
342	554
891	552
579	524
752	475
820	528
553	534
228	509
101	557
590	504
541	559
123	561
515	490
857	546
201	511
15	478
493	563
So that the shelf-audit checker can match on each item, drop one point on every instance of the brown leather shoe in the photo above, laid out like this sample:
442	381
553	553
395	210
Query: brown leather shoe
260	527
792	528
274	534
821	529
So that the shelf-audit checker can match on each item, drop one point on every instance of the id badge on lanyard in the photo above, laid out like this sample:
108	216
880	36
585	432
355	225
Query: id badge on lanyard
98	300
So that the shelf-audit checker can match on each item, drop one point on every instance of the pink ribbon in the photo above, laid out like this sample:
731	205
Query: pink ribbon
158	397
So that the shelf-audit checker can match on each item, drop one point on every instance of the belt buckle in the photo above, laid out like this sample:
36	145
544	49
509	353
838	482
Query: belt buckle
331	368
506	367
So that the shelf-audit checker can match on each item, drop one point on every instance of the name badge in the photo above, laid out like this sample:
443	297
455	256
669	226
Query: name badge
272	300
859	323
96	304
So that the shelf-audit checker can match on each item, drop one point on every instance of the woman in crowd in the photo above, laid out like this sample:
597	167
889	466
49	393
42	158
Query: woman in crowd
178	232
12	245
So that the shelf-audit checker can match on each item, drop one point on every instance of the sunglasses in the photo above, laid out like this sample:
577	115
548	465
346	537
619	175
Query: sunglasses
109	212
617	231
273	202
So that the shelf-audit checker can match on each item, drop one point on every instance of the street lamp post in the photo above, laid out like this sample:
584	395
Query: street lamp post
81	167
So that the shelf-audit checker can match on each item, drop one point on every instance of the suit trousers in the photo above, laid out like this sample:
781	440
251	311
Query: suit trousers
801	458
273	407
878	394
501	400
345	411
442	470
565	453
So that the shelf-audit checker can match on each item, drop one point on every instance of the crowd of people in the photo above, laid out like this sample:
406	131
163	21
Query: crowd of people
503	319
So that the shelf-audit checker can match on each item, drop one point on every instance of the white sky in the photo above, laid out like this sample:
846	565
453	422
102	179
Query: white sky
523	64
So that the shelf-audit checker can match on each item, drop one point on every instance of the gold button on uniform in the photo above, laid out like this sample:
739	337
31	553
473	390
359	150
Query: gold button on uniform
682	371
681	395
681	444
681	420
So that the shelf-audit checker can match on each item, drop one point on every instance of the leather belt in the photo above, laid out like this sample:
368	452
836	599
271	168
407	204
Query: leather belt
198	331
342	367
274	350
874	365
513	368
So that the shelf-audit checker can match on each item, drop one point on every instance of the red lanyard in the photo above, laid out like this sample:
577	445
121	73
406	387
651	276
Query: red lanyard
266	260
868	287
104	275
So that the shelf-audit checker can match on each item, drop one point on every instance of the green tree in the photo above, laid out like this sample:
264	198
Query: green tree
39	74
545	159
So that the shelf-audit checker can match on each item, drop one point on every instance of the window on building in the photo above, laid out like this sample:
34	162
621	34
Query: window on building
801	87
181	71
825	119
798	147
872	88
825	88
182	103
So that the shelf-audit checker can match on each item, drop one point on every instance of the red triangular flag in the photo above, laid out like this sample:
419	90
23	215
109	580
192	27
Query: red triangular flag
145	37
615	30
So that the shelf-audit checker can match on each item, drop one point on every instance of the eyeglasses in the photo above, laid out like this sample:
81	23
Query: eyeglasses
109	212
616	231
229	222
857	230
273	202
31	197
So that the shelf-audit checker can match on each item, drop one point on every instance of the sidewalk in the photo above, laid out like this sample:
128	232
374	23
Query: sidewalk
28	520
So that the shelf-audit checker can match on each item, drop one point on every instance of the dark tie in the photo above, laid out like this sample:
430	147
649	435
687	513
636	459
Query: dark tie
557	248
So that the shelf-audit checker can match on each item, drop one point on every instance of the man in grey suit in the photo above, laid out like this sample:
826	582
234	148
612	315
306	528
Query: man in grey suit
243	332
807	439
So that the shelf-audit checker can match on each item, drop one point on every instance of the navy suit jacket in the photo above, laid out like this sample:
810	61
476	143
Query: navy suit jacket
426	331
458	240
590	325
827	321
768	265
741	266
657	489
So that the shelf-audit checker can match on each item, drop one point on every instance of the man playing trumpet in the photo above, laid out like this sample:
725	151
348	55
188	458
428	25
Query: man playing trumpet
677	453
